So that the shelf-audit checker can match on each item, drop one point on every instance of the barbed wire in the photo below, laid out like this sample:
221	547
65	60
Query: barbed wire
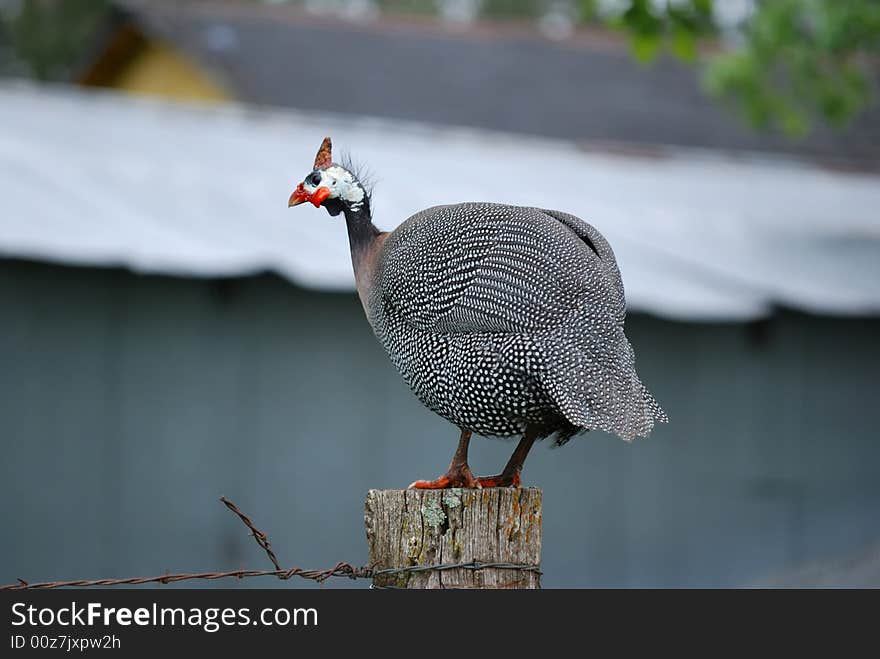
261	538
341	569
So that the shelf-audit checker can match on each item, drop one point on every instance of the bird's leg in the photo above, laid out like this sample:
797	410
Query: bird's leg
510	477
459	473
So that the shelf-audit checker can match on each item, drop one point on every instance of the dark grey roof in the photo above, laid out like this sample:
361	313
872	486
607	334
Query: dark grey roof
584	89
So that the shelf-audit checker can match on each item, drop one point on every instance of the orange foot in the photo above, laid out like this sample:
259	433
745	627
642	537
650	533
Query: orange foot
457	476
501	480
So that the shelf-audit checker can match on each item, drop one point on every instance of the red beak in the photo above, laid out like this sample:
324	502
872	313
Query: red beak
301	194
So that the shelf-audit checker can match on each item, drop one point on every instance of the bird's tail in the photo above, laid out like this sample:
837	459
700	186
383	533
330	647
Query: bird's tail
599	389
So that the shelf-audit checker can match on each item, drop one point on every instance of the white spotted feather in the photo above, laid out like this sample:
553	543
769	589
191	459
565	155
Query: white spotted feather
502	317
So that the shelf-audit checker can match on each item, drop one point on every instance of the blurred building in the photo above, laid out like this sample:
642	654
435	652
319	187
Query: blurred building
511	77
172	332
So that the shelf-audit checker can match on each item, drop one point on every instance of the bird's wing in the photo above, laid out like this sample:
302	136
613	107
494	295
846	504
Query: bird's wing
596	241
475	268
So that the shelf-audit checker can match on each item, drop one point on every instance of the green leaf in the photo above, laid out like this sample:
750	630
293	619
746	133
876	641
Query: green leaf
795	124
645	46
684	45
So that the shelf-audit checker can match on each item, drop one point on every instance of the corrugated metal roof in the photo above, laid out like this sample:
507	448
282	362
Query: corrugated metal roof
100	179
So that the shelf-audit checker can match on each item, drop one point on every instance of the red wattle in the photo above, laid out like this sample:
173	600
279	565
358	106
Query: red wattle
319	196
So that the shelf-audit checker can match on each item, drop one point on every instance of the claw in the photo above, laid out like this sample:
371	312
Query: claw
461	476
439	484
501	480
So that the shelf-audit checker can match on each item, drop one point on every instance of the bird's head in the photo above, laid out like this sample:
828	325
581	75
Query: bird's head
332	186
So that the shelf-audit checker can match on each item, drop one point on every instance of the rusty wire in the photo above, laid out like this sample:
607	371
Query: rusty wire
341	569
261	538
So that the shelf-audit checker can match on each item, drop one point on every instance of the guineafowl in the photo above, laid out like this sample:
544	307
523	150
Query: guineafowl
505	320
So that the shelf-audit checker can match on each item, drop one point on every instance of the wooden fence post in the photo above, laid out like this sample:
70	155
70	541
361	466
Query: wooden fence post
407	528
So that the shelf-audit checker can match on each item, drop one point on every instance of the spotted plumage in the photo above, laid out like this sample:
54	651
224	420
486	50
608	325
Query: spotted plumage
505	320
501	317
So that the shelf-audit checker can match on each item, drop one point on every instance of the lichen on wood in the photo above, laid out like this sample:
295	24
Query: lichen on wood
435	527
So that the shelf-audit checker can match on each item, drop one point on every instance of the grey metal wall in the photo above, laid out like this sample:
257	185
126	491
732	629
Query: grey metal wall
129	404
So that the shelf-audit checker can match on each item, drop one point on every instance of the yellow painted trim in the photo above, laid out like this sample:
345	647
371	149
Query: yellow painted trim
160	70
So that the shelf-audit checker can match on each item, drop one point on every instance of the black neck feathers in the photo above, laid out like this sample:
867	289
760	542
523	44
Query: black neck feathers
361	230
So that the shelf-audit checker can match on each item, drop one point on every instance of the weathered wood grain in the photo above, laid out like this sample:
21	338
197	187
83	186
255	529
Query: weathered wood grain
435	527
